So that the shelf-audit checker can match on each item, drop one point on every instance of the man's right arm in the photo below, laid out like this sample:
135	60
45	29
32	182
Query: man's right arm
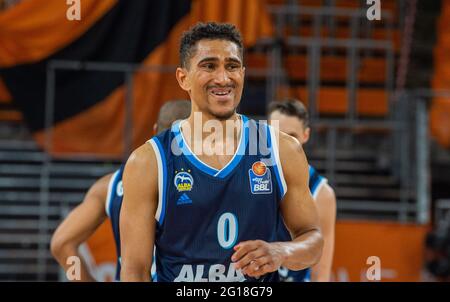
137	217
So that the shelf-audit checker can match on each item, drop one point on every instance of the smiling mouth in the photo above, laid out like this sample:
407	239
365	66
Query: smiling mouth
221	92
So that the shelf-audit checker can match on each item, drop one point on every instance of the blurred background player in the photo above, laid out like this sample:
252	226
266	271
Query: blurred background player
103	200
294	120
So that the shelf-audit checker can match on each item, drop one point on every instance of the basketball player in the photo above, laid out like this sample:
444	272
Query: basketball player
103	200
213	216
293	119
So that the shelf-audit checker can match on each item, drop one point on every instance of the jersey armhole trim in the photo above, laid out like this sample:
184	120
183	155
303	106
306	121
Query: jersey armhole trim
162	175
109	195
273	142
319	186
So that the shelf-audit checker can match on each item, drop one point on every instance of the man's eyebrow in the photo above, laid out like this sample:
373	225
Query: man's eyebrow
214	59
208	59
234	60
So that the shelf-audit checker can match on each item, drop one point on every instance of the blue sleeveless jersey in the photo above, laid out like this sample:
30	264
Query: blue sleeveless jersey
316	181
204	212
113	205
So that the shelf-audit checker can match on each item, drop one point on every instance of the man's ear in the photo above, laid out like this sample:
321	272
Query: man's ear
155	128
306	135
182	79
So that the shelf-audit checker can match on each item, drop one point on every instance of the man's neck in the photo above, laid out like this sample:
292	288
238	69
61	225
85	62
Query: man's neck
200	129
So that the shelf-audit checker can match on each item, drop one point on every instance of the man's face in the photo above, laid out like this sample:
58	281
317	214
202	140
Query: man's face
214	78
291	125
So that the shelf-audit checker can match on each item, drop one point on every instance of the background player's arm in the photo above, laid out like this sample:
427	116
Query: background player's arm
79	225
326	208
257	258
137	217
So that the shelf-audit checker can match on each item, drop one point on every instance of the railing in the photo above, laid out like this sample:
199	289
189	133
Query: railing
406	121
317	43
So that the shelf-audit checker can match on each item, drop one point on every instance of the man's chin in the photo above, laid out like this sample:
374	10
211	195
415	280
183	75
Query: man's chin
223	115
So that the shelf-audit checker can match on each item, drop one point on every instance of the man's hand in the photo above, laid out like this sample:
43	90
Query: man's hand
256	257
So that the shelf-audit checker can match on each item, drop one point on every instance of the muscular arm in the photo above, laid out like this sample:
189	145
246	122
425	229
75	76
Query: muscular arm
257	258
326	207
298	209
79	225
137	217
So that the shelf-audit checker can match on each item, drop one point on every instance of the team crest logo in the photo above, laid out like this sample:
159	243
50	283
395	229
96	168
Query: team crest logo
260	178
183	181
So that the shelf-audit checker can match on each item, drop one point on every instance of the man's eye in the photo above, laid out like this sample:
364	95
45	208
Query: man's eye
209	66
232	67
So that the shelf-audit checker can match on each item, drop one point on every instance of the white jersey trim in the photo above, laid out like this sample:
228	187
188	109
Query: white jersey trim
322	183
160	178
276	153
110	193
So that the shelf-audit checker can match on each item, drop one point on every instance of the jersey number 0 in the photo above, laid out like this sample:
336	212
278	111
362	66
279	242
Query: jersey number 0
227	230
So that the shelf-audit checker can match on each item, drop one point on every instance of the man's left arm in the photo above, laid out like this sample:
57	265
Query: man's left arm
257	257
326	208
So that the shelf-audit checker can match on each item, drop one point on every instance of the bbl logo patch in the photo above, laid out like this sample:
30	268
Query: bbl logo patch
183	181
260	180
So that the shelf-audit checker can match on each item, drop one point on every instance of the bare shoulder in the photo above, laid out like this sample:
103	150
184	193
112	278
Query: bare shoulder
327	197
140	181
141	161
292	156
326	208
103	182
99	190
288	145
327	192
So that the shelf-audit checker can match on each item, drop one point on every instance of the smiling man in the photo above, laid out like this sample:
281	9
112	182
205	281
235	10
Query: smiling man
214	217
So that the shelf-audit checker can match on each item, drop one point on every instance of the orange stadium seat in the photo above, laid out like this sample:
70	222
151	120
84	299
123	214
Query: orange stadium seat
11	116
334	100
333	68
343	32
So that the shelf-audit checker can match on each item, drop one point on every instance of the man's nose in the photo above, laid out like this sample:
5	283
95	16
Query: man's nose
222	77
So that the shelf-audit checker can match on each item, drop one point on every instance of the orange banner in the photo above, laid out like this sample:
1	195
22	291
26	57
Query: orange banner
33	30
5	97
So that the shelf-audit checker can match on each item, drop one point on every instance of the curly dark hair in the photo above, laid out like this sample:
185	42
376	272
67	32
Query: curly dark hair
208	31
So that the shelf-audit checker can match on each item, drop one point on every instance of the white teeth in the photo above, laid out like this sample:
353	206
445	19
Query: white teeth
221	93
